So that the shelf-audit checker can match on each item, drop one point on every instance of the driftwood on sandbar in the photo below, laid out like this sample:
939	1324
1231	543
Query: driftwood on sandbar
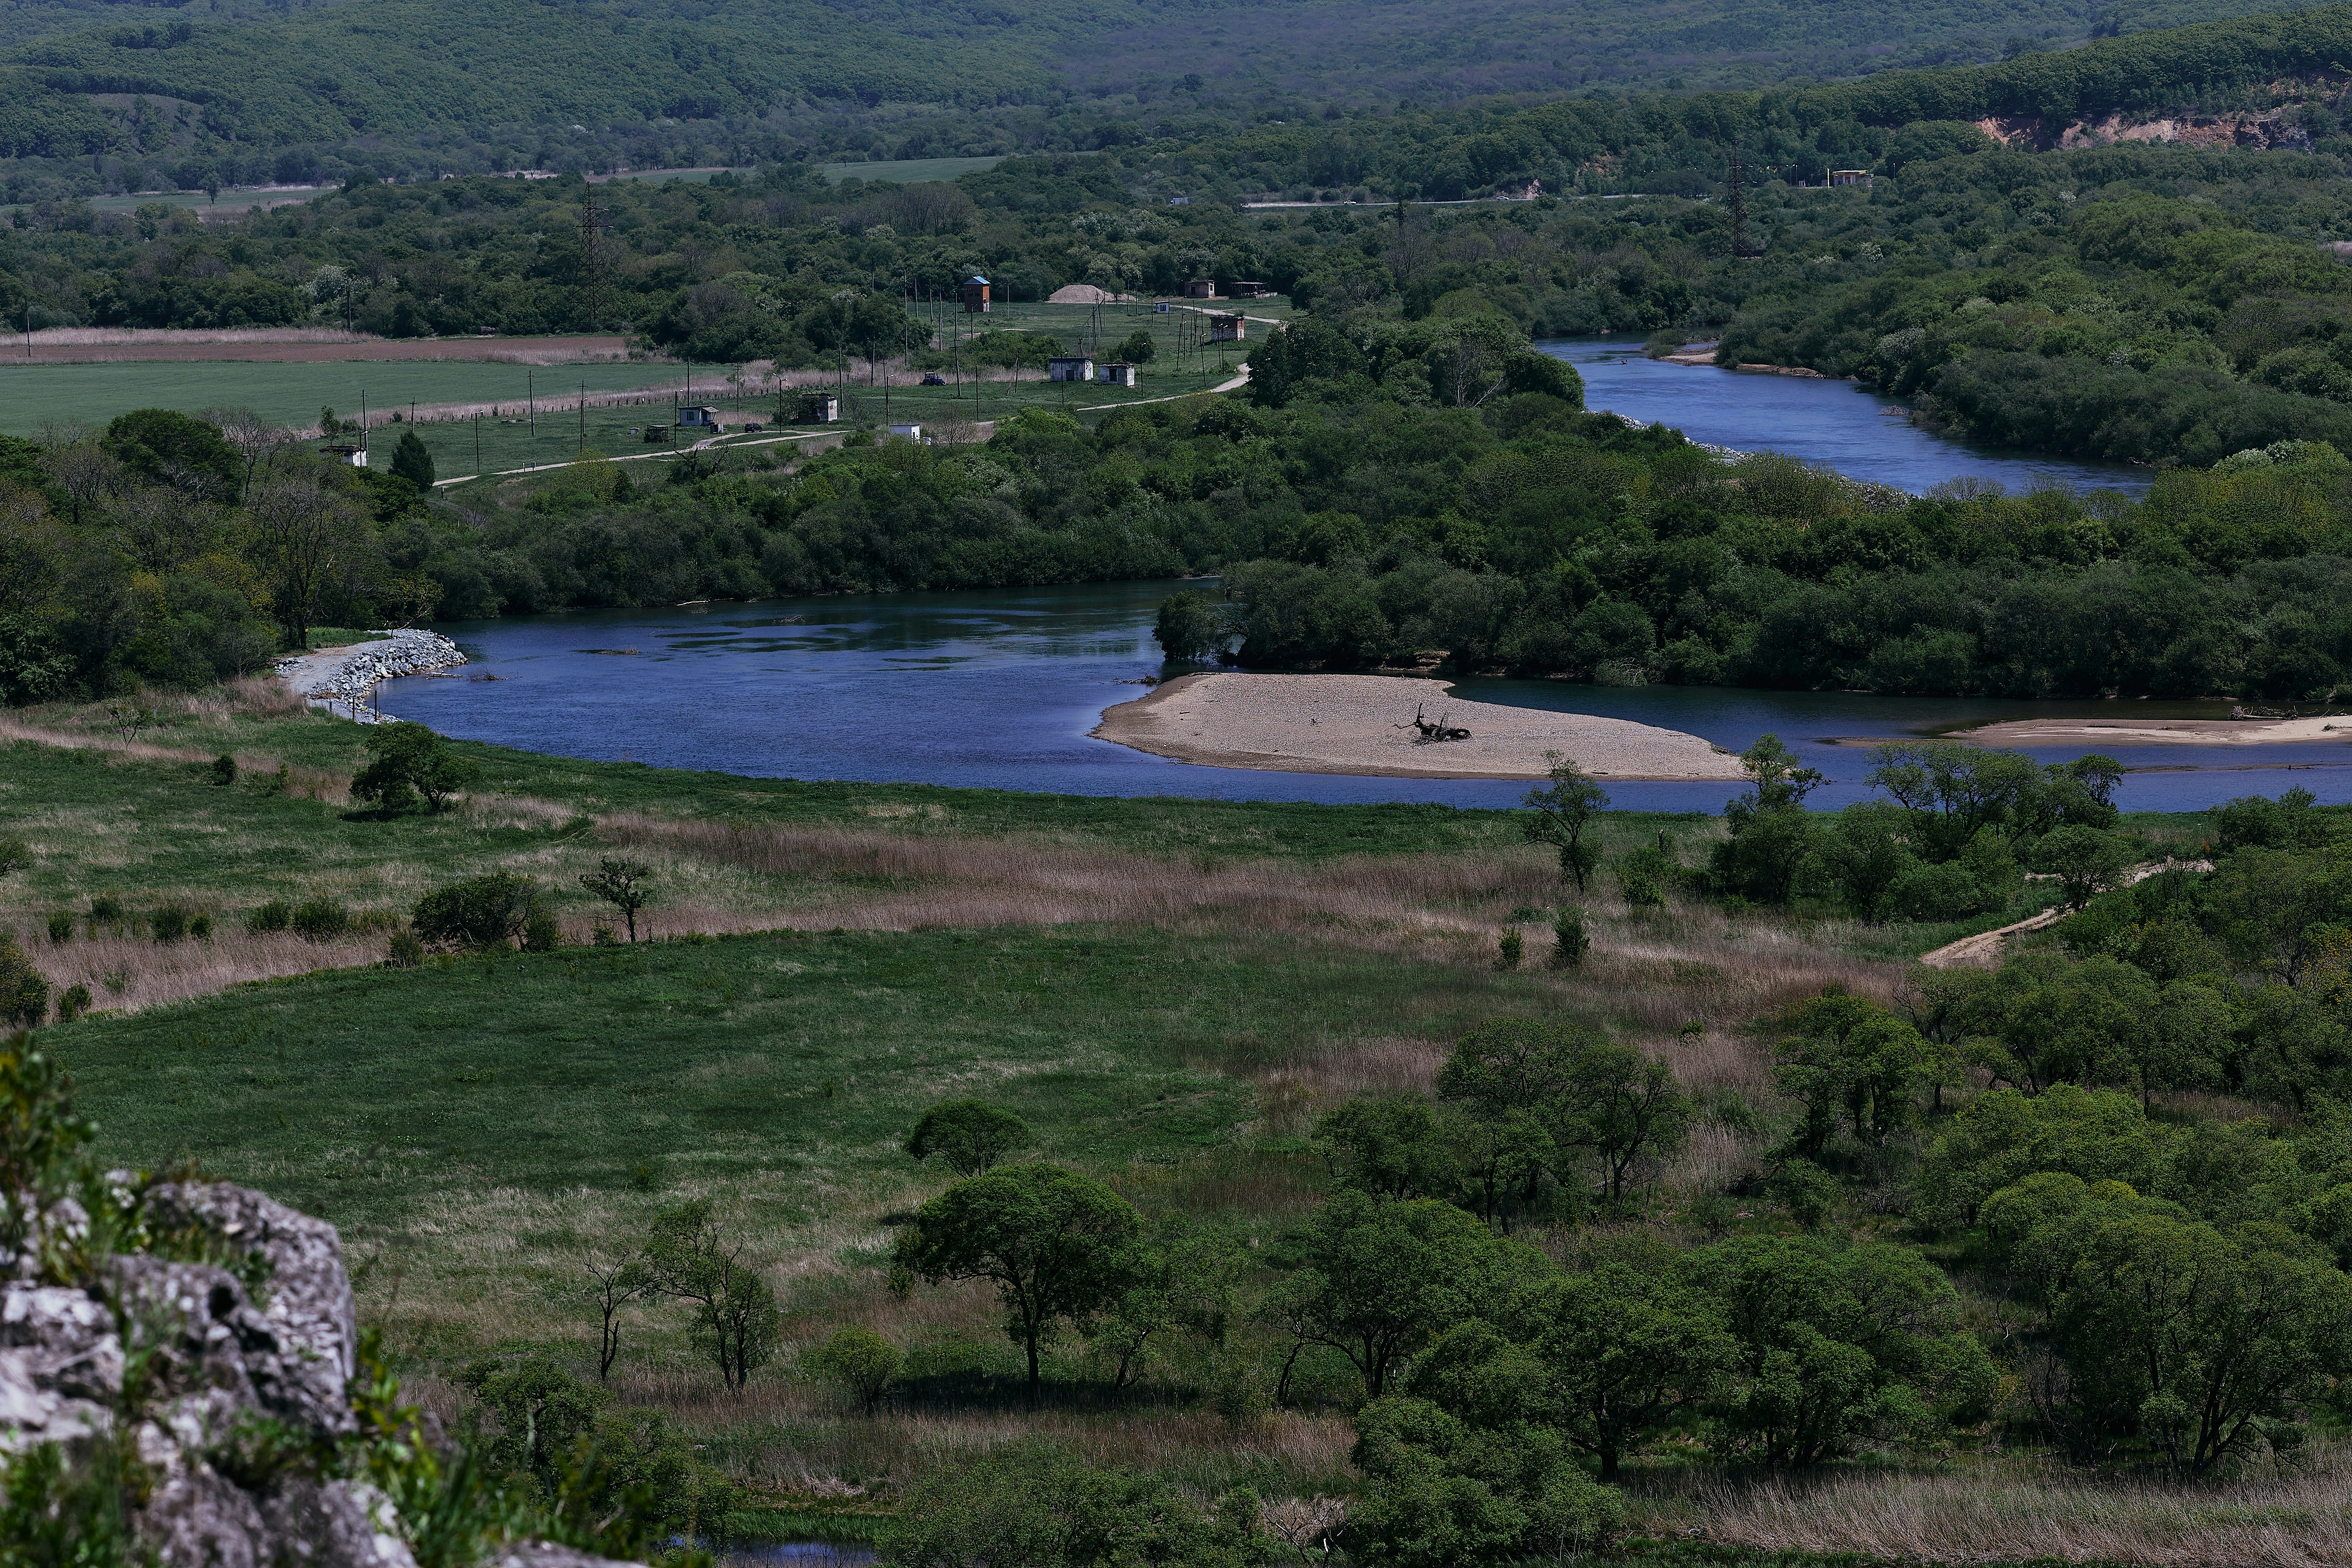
1430	732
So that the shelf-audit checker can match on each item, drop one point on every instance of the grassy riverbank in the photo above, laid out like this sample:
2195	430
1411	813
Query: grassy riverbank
1169	992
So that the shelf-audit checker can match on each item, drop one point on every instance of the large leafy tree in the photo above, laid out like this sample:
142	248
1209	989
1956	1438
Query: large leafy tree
1053	1242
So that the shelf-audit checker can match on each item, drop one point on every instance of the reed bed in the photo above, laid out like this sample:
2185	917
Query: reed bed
2046	1513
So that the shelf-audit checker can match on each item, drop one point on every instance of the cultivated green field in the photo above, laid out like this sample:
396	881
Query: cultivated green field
36	395
907	170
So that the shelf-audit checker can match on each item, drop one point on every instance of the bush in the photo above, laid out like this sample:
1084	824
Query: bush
105	909
168	923
1570	943
320	919
24	991
1945	892
1514	947
406	951
274	915
61	927
200	926
861	1362
73	1003
541	932
489	912
410	761
223	771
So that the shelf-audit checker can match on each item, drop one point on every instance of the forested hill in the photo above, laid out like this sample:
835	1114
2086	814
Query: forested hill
241	93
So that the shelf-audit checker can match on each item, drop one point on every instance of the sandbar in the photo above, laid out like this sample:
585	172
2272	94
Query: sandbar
1362	724
2158	732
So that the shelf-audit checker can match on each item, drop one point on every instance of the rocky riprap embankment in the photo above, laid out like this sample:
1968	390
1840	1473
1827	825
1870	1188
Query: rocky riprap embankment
346	678
212	1364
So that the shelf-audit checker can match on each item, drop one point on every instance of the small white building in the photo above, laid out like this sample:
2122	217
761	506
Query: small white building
701	418
1070	367
1115	374
906	431
819	408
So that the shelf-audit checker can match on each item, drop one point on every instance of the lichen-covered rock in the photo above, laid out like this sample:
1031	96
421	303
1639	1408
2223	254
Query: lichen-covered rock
235	1392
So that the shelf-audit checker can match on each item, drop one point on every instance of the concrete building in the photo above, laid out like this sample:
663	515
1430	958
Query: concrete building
1228	328
1201	288
1849	177
1070	367
700	419
1115	374
818	408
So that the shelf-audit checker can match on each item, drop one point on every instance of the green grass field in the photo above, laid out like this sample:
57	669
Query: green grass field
36	395
907	170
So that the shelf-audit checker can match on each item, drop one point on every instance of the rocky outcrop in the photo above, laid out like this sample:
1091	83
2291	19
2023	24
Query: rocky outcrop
215	1388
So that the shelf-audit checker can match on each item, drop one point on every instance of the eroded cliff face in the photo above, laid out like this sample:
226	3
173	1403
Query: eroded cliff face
217	1391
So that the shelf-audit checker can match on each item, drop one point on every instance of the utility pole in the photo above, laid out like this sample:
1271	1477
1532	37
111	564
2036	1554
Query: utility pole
583	415
530	411
363	444
592	261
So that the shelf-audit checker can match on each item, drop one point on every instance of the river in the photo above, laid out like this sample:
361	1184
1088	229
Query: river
1834	423
997	689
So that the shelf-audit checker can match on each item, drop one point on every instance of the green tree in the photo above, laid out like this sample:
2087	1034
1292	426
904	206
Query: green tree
412	462
1837	1342
2189	1336
2086	862
1564	812
1377	1280
1617	1108
1442	1492
971	1135
487	911
616	1285
1389	1145
861	1362
408	760
1179	1279
1844	1054
1053	1242
737	1324
165	447
1949	790
1623	1348
1864	852
1506	1078
1193	627
1136	348
1773	836
621	883
16	855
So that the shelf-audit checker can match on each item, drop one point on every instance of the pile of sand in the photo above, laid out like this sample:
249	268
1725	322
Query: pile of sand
1086	294
1350	724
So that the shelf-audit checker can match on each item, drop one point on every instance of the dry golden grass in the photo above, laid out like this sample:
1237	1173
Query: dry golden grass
2010	1513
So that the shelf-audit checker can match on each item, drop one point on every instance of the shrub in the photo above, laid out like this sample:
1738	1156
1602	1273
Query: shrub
406	951
105	909
410	761
1514	947
62	926
24	993
971	1135
73	1003
200	926
223	771
861	1362
169	923
274	915
14	855
541	932
1570	943
320	919
487	911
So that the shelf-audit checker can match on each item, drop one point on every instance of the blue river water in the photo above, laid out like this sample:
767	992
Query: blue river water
998	688
1833	422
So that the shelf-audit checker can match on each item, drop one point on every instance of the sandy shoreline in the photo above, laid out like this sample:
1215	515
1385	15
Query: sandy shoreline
2158	732
1348	724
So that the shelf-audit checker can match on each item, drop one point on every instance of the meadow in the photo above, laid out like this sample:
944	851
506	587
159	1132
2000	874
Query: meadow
1168	992
56	396
907	170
